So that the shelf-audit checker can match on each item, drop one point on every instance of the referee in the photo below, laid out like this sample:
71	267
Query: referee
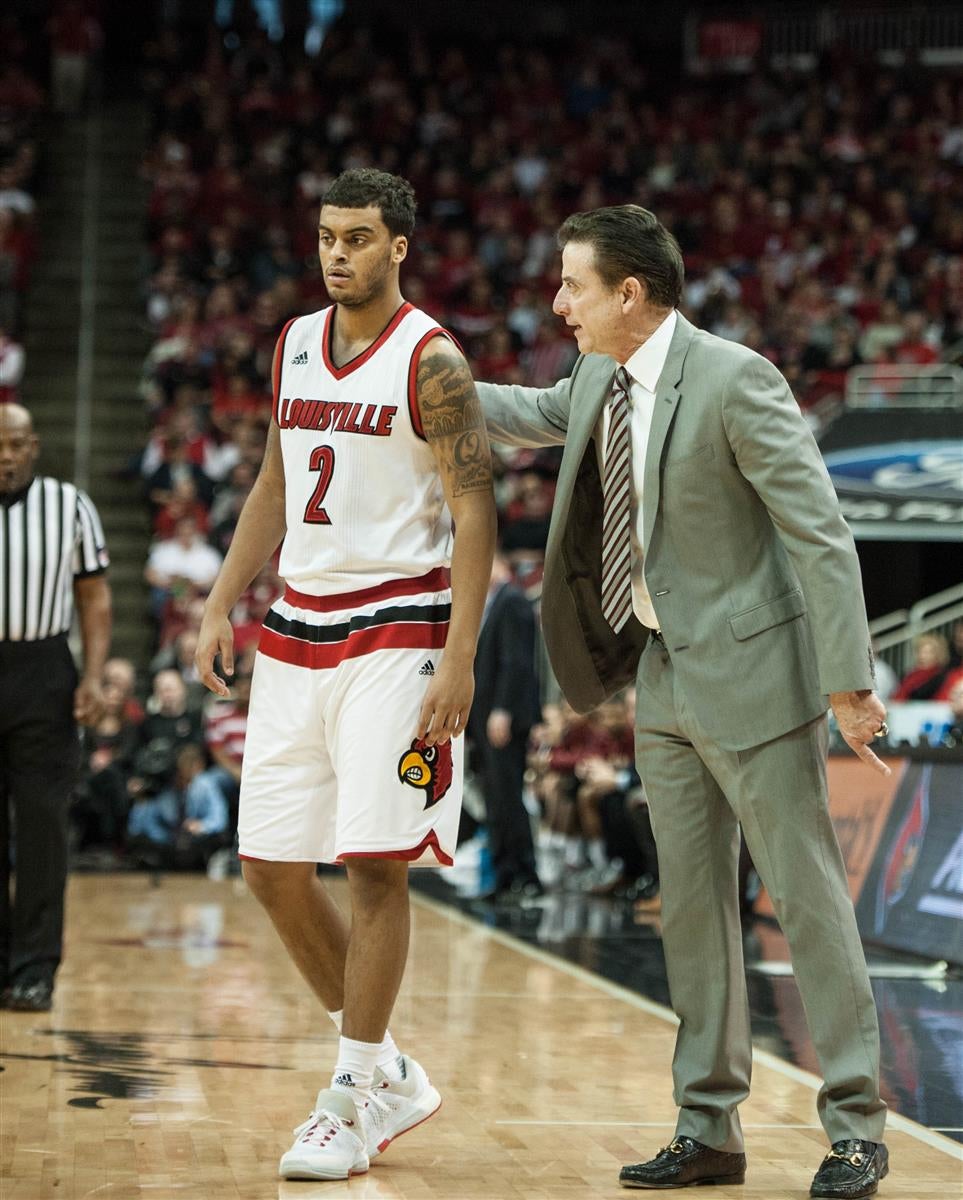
52	556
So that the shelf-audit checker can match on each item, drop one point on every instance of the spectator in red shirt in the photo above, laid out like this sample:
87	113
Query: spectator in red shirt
915	348
930	670
225	727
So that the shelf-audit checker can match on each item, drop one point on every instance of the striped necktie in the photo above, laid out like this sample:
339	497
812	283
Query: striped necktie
616	541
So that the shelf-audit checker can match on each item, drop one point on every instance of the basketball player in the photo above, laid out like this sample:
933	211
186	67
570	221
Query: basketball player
364	675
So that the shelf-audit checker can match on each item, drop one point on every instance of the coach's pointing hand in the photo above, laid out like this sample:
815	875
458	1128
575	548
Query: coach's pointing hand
860	717
444	712
215	637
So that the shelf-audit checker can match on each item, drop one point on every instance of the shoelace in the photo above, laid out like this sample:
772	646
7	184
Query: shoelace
321	1127
378	1111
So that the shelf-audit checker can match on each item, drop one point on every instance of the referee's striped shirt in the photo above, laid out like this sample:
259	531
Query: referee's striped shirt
50	535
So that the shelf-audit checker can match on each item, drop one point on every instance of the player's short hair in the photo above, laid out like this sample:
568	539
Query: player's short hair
362	187
629	240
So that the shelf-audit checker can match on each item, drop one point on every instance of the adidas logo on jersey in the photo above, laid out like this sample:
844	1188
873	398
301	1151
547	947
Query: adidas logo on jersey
428	668
300	360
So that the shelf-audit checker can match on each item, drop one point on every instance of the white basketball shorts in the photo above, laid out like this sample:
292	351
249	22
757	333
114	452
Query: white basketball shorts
332	769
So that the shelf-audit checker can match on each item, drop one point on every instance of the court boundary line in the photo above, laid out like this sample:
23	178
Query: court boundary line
893	1119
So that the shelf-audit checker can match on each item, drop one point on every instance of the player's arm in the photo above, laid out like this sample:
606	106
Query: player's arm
260	529
455	430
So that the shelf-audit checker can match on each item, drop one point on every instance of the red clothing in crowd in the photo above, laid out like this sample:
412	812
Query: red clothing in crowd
225	729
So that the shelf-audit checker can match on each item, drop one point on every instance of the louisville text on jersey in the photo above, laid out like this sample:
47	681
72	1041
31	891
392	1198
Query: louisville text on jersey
336	416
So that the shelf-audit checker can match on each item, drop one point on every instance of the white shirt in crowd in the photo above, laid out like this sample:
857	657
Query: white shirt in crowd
198	562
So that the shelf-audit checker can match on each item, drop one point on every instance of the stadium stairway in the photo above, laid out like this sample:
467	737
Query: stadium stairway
86	337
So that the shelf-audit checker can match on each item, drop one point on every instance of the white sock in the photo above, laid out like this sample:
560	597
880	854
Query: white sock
356	1066
596	853
337	1017
389	1058
573	851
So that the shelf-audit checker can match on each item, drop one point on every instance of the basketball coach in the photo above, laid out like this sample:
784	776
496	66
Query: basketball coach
697	550
52	558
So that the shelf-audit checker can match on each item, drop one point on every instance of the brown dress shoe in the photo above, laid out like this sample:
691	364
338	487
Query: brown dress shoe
685	1163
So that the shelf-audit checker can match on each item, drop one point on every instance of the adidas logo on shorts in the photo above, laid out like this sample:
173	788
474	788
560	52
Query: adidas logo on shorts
428	668
300	360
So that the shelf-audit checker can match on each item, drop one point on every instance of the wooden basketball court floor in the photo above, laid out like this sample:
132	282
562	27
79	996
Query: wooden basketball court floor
183	1048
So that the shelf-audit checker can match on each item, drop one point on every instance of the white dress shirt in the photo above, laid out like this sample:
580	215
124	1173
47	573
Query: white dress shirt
644	367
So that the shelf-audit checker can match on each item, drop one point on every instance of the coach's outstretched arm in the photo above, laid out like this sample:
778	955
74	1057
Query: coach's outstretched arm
260	528
455	430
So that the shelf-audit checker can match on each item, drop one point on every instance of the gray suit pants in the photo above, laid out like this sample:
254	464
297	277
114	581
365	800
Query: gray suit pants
698	796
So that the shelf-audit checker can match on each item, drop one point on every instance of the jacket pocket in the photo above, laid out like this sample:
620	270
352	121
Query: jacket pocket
702	455
751	621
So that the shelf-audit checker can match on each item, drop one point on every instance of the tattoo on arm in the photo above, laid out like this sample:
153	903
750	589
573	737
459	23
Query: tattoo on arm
452	419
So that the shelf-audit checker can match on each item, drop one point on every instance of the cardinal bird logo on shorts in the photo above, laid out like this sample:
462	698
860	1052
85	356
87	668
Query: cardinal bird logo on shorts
428	768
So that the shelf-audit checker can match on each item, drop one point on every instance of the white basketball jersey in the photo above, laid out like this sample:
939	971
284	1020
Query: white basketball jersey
364	501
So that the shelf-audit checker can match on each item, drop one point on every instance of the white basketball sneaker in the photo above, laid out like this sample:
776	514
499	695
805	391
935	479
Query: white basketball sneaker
395	1106
330	1143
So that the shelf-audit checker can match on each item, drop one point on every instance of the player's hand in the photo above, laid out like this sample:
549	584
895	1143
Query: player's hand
215	637
88	701
444	712
860	716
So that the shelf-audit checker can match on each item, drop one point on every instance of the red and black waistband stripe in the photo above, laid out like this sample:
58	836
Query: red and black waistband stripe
432	614
436	580
404	635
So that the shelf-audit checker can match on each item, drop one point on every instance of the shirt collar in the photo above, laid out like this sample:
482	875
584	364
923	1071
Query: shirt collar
646	364
9	499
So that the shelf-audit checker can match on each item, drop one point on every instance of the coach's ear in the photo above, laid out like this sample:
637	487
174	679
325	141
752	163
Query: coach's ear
632	293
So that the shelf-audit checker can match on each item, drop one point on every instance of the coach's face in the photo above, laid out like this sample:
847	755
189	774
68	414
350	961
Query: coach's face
590	307
18	448
359	257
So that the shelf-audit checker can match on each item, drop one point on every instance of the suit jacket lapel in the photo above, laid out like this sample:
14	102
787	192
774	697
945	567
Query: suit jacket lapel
584	418
667	396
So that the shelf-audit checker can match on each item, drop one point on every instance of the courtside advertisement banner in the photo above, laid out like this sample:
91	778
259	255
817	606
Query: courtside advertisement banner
859	803
912	898
898	474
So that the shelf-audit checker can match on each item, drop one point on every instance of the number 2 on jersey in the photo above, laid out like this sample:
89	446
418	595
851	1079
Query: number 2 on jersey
321	460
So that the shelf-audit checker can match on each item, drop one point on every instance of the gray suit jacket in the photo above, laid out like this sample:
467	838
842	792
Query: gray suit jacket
752	571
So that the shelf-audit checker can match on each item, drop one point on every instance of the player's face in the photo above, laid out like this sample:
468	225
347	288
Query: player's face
359	257
590	307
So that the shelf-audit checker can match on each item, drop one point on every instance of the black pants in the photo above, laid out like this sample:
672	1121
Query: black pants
628	835
39	754
509	828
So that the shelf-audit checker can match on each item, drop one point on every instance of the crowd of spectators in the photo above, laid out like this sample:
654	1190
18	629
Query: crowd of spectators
22	104
160	780
31	55
819	216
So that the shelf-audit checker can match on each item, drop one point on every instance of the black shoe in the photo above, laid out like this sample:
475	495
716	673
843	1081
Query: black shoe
529	888
684	1163
853	1168
30	997
514	891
